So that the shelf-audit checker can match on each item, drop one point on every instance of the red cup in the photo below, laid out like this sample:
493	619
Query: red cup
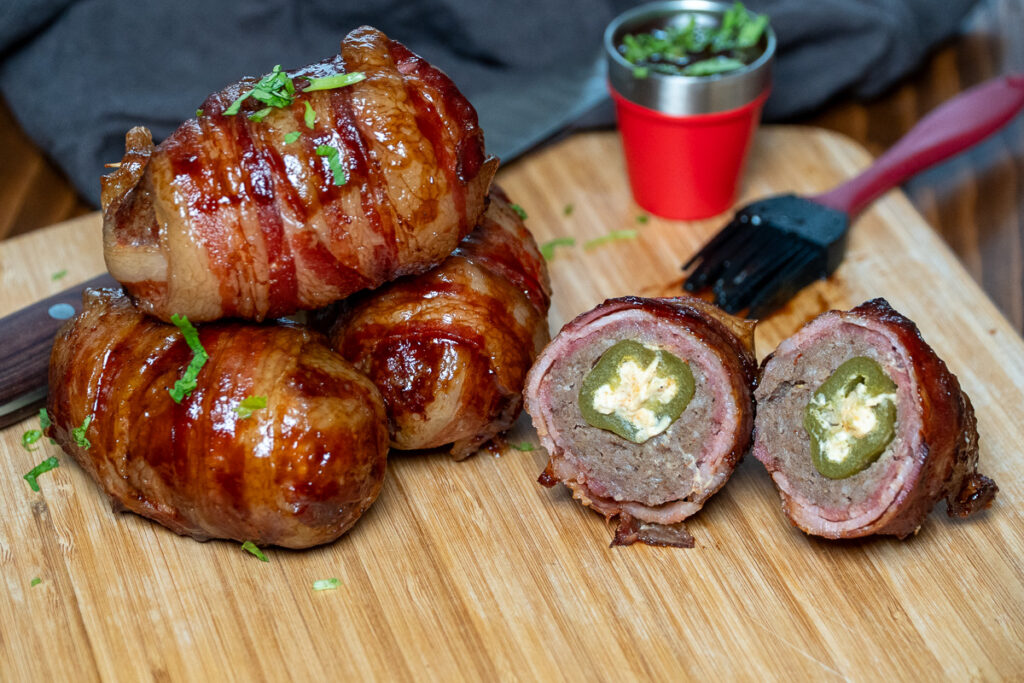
685	167
685	138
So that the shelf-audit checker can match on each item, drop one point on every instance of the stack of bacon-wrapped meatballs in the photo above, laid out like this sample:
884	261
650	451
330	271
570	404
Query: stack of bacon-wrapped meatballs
358	188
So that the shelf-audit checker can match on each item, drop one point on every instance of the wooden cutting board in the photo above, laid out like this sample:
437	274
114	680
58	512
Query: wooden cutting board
472	570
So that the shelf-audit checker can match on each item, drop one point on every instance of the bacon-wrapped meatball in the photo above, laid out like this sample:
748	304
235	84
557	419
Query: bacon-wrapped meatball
645	406
295	473
863	427
257	215
450	349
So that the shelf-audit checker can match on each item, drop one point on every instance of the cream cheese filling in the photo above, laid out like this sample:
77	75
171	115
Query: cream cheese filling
847	419
637	388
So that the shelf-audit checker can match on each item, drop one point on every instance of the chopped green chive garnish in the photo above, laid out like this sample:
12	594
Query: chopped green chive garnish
641	72
334	81
35	581
236	106
249	404
29	438
520	210
569	208
547	250
258	116
310	115
59	274
253	549
45	466
199	112
524	446
613	236
334	161
44	419
292	137
274	90
78	433
326	584
642	218
184	386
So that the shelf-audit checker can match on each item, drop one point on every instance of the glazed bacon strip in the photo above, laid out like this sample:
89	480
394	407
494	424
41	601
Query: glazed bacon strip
450	349
296	473
228	218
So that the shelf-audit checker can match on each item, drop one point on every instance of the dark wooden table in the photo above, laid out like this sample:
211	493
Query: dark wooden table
975	201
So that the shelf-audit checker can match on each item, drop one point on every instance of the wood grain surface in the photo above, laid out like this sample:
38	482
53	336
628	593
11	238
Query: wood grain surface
473	571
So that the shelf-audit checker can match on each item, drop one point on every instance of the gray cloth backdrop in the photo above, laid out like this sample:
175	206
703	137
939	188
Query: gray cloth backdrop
79	73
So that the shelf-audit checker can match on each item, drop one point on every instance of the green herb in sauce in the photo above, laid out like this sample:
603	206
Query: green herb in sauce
695	49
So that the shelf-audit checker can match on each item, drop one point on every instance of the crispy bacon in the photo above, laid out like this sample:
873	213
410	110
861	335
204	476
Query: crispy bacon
450	349
296	473
225	218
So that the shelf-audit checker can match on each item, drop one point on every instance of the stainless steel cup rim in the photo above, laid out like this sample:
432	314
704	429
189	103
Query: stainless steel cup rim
678	95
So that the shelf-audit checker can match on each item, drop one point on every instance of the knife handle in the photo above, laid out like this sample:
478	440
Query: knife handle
25	352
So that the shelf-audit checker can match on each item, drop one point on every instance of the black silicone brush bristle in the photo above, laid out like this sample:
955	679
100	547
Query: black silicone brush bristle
770	251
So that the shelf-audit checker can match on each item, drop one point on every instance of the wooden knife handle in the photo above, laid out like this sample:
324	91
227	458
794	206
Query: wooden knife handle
25	352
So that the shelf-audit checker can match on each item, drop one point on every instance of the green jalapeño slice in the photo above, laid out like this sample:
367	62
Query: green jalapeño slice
636	391
851	418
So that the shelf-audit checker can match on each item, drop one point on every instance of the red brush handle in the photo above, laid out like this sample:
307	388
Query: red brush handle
952	127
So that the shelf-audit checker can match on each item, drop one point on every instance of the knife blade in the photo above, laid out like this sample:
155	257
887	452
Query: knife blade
28	336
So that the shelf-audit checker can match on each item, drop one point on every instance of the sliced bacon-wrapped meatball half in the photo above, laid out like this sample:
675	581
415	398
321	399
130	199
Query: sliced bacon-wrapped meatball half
280	442
291	205
645	406
449	350
863	428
